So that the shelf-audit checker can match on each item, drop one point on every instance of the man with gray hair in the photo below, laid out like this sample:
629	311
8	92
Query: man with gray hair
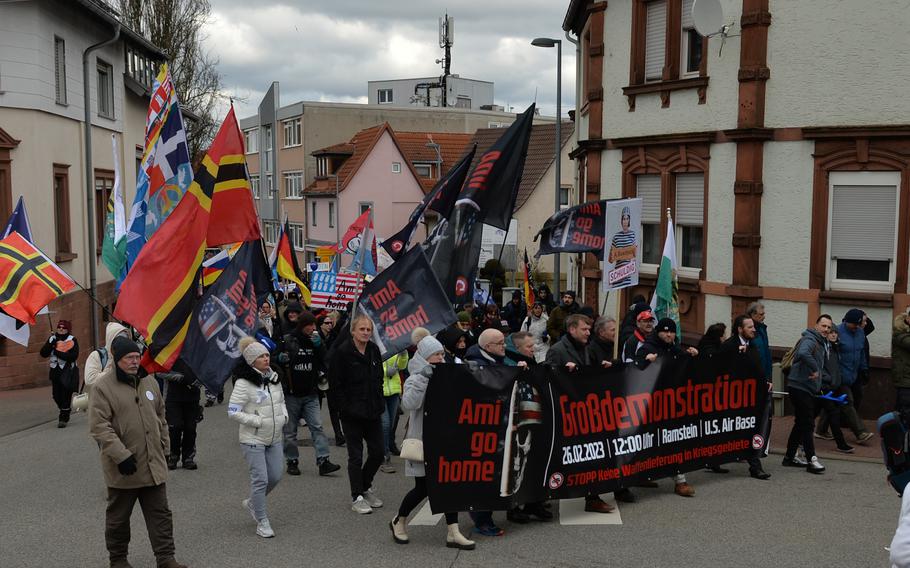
601	345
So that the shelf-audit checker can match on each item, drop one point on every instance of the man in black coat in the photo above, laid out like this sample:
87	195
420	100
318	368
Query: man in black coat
571	352
741	342
182	412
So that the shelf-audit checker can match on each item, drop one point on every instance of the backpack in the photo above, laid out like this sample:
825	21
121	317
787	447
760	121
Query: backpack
103	355
895	447
786	362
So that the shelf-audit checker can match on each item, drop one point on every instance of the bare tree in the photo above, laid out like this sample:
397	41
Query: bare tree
175	26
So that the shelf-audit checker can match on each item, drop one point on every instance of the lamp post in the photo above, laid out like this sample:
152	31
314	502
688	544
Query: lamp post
550	42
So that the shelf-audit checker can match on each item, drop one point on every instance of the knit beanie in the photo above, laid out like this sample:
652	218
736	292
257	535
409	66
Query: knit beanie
428	346
464	316
122	346
666	324
854	315
251	350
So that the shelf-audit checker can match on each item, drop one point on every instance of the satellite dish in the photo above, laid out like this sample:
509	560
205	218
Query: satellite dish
708	16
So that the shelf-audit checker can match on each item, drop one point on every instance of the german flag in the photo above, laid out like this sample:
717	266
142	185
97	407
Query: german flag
284	261
28	279
528	284
158	294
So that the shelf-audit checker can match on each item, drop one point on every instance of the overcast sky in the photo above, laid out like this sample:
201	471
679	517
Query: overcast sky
321	50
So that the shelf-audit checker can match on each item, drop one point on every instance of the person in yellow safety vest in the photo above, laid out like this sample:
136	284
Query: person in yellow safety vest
391	391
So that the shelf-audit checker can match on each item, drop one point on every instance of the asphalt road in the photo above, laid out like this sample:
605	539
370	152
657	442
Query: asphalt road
53	498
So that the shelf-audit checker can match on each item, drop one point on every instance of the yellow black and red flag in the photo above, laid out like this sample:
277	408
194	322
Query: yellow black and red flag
158	294
528	284
283	261
28	279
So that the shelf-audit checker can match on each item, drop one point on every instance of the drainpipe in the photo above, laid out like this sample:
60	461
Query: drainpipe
576	177
89	177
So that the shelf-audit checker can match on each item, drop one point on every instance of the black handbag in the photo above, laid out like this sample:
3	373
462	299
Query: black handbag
69	377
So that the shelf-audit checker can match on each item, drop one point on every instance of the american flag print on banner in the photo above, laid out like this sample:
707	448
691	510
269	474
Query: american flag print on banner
334	290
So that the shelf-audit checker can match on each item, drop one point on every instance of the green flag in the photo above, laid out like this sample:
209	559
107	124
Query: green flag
665	302
113	248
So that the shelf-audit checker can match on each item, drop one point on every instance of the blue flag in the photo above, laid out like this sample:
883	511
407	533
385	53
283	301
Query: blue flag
18	222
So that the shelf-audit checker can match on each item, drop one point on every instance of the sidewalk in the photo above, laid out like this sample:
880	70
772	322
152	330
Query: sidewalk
870	452
25	408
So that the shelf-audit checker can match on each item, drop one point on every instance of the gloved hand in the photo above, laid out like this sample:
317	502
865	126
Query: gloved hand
172	376
128	466
392	370
283	358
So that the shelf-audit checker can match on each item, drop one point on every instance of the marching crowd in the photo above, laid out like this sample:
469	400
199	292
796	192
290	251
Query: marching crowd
300	360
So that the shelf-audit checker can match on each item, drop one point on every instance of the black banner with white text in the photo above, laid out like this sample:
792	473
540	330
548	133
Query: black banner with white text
549	433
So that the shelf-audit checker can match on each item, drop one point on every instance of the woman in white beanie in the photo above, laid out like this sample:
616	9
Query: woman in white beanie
429	352
257	402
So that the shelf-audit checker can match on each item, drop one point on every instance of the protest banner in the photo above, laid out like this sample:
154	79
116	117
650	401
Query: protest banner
622	252
492	444
402	298
577	229
334	290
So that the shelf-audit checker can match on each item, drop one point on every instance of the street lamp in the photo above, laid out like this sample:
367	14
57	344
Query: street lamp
550	42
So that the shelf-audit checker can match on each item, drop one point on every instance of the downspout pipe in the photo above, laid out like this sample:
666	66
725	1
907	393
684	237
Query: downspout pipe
89	177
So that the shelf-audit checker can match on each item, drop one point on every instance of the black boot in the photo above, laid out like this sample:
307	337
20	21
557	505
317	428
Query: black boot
63	418
292	468
172	461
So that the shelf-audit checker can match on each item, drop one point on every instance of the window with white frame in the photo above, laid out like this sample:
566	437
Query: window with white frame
364	206
688	219
268	186
291	132
251	140
396	167
655	39
313	210
862	230
293	185
322	166
564	197
267	144
647	187
60	69
297	235
271	230
691	42
384	96
423	170
331	215
105	89
254	185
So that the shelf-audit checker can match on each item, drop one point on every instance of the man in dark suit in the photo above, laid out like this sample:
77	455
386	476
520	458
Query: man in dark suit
742	341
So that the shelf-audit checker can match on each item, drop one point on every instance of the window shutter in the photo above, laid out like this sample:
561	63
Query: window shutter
648	189
862	222
655	40
690	200
687	21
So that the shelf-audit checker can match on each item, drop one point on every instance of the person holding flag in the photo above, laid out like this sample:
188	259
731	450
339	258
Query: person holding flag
63	350
283	261
665	301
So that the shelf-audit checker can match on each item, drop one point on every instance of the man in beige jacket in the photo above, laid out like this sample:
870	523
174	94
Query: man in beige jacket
126	418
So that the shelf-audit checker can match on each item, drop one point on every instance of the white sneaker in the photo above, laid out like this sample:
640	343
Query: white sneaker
371	498
815	466
361	506
246	504
264	529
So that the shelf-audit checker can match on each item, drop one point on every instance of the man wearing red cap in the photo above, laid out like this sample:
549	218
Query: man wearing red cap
644	325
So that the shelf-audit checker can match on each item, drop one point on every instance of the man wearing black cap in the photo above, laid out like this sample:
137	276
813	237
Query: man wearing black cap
659	344
514	312
126	418
854	365
556	325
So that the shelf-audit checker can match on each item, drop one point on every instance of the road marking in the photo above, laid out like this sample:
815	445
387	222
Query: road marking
425	517
572	512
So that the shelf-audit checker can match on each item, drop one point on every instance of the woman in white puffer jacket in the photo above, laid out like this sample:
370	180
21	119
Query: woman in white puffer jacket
257	402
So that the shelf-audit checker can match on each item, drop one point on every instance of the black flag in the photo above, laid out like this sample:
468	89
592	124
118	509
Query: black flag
577	229
403	297
456	253
493	184
226	312
440	199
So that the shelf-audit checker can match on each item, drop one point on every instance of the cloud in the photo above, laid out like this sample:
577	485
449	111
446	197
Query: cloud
327	51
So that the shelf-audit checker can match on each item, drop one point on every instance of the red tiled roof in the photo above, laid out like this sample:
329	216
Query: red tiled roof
360	145
452	146
343	148
540	153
